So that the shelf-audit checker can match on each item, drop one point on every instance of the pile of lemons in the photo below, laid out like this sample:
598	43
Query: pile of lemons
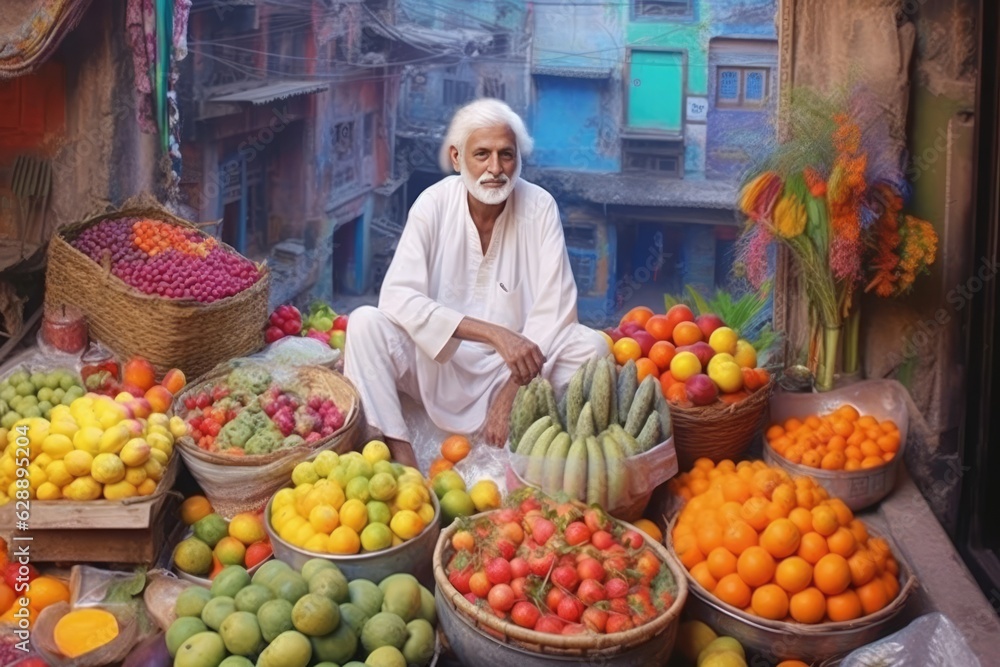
353	502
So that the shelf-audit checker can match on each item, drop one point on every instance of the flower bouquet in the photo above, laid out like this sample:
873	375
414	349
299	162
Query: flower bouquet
834	199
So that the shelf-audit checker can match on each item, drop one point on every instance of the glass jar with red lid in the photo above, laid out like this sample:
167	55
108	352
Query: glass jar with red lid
101	372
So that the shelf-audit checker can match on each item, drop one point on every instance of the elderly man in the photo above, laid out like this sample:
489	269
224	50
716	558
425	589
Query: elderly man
479	298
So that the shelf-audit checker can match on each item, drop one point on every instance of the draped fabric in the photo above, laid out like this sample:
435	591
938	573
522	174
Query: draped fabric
31	30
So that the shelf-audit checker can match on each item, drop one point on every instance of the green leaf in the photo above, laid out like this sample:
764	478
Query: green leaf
701	305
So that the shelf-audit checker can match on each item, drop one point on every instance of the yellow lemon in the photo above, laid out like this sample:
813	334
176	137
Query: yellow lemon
147	487
78	462
107	469
302	490
57	445
382	486
332	495
282	498
247	527
58	474
384	466
318	543
36	476
485	495
409	497
357	488
135	476
154	469
303	535
426	513
88	439
396	540
325	462
178	427
650	528
376	450
63	426
410	478
281	516
304	473
160	442
376	536
354	515
59	412
159	456
49	491
43	460
135	452
291	527
311	500
344	540
83	488
323	518
8	466
112	440
119	490
407	524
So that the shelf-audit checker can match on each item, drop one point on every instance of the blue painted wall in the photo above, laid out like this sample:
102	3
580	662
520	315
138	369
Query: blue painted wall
567	122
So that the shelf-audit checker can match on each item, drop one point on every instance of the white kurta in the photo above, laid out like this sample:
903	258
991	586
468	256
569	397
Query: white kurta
439	275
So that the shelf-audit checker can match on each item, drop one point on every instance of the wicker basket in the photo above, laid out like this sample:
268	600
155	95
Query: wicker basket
719	431
589	648
170	333
235	484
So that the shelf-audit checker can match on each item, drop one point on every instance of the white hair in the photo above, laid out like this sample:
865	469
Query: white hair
477	115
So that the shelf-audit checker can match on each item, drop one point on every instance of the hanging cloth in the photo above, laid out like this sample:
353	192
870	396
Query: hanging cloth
31	30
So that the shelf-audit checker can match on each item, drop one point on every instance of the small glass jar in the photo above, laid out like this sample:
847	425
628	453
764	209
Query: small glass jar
65	328
100	371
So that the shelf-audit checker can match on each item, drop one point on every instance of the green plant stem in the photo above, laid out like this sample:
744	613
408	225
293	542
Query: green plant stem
828	358
852	332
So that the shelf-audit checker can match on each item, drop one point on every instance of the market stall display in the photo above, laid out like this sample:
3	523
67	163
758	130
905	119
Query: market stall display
255	421
541	581
294	617
867	420
151	283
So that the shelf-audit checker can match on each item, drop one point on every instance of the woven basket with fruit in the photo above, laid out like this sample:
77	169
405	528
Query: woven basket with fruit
251	423
151	283
558	579
709	376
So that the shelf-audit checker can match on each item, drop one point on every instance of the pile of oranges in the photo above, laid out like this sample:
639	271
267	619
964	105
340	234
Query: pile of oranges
779	548
154	237
841	440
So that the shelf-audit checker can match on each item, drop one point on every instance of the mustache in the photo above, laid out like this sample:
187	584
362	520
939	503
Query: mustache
486	179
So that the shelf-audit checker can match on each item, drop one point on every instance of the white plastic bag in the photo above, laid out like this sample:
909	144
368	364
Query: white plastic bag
930	641
297	351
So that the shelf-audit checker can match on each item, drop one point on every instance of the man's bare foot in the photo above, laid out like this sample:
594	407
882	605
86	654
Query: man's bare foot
402	452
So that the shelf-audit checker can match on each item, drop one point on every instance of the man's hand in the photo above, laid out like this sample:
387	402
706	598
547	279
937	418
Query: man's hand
523	357
497	426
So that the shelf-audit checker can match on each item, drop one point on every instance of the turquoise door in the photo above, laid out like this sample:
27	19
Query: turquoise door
655	91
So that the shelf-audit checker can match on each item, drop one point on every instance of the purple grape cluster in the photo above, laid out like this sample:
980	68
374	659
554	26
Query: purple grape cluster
171	273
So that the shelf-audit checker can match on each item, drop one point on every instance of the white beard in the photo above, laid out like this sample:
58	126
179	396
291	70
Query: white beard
490	195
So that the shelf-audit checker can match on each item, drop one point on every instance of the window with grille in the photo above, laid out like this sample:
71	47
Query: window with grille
665	156
661	8
345	153
457	92
742	87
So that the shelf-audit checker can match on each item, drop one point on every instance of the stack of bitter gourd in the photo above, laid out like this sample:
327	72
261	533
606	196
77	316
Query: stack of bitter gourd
580	444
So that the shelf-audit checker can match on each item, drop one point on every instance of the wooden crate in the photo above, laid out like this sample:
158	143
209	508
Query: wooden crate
130	531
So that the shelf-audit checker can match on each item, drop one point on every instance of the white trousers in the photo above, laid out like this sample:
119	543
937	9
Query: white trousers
382	362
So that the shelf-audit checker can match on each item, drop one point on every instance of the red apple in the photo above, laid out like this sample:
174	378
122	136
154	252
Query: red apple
701	390
701	349
645	340
340	323
708	323
616	334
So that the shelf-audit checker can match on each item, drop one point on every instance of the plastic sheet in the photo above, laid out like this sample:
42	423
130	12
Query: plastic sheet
483	462
297	351
930	641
